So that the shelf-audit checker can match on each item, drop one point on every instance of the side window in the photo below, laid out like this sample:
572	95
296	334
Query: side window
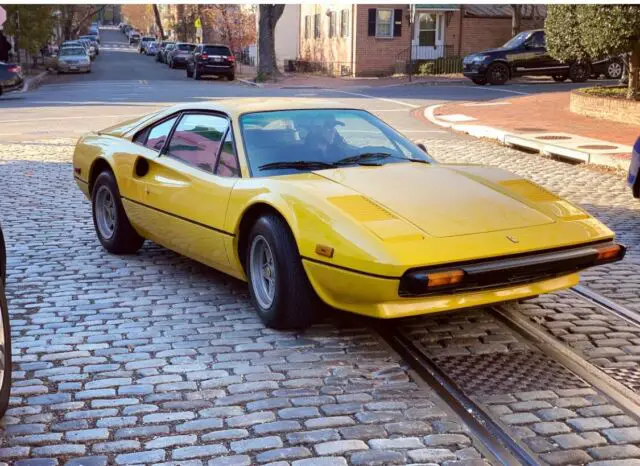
158	134
197	139
538	39
228	164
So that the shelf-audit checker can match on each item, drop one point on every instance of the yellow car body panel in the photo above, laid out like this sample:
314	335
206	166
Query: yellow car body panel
380	221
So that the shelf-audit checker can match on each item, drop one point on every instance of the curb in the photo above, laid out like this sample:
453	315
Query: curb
34	81
518	142
250	83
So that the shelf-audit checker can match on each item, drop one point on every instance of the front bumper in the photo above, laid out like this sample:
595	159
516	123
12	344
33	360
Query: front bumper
382	297
474	70
12	85
74	68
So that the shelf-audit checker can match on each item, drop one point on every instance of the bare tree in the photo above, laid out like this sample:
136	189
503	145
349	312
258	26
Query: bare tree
515	19
267	65
156	13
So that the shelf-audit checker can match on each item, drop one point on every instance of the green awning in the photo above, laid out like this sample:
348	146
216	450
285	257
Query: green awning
441	7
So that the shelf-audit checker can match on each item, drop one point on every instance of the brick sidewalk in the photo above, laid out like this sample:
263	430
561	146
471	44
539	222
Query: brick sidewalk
541	112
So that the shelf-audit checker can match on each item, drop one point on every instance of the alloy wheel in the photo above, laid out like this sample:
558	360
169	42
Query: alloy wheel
106	215
614	70
263	272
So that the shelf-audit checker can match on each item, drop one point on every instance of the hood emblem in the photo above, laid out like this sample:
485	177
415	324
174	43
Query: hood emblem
513	239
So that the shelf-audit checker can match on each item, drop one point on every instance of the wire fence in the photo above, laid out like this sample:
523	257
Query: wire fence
327	68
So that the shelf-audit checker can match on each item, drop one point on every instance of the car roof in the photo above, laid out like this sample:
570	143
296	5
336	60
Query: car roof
239	106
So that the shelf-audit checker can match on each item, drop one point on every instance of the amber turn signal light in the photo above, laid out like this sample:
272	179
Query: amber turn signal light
450	277
606	253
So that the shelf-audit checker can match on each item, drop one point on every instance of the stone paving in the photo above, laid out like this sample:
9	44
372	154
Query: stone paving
155	359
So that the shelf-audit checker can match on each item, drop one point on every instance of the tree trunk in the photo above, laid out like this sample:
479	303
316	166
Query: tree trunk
267	64
227	26
633	91
181	28
515	19
156	13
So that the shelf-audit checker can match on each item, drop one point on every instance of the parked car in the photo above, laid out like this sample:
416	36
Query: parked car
370	225
151	49
73	60
11	78
91	48
161	46
93	42
164	52
211	59
633	178
142	46
134	38
5	333
610	67
180	54
525	54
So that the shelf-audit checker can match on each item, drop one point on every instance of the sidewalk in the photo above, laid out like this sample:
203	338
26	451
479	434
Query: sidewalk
542	123
313	81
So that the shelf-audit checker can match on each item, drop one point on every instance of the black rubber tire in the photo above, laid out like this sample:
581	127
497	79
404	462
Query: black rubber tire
6	354
579	72
559	77
295	304
189	72
479	81
231	76
125	239
497	74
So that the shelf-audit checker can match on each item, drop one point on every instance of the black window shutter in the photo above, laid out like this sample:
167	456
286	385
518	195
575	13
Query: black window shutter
397	22
372	21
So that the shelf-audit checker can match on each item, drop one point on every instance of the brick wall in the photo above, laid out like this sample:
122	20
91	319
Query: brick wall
605	108
327	49
377	56
482	33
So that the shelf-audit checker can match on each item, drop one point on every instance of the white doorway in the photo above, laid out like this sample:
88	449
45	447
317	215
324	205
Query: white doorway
428	36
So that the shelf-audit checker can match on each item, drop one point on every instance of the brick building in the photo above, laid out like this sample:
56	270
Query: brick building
370	40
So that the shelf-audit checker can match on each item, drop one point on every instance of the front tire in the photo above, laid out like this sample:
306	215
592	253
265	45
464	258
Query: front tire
109	218
498	74
278	284
479	81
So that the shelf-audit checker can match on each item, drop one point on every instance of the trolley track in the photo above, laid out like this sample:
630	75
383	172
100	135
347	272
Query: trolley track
488	429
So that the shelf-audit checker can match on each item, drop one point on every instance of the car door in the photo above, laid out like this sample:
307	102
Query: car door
538	59
187	188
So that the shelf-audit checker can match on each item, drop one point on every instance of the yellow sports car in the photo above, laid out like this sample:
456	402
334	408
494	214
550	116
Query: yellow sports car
312	203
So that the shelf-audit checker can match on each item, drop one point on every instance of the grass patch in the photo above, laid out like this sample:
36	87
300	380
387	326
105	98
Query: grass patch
617	92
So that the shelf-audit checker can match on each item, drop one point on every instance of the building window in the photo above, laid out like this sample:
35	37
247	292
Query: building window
344	23
316	26
384	22
427	29
332	24
307	27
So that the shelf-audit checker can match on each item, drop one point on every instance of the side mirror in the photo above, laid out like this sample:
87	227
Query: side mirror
422	147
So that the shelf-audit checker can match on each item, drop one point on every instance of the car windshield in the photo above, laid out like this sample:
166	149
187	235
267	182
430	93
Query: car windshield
517	40
216	50
290	141
186	47
71	51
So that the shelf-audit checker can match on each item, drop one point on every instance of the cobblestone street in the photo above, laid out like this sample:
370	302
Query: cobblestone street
155	359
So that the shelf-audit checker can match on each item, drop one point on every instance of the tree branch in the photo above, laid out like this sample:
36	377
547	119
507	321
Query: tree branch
87	15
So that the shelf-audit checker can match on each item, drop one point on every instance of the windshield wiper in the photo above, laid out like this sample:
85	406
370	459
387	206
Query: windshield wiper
363	158
298	165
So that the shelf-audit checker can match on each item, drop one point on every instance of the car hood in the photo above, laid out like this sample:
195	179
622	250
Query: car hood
490	51
439	200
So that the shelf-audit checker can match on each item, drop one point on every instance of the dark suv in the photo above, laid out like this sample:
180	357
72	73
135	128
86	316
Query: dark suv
210	59
525	54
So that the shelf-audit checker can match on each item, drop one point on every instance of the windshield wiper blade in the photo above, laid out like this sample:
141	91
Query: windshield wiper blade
365	157
298	165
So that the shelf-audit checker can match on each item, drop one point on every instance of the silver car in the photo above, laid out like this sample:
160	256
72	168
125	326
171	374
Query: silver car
73	60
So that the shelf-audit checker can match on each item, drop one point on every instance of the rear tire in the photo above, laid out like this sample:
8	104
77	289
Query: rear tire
231	76
5	352
109	218
289	301
579	72
615	69
498	74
